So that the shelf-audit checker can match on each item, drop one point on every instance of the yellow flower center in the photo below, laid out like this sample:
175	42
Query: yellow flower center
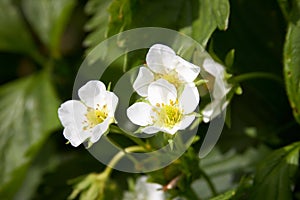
95	116
171	77
169	115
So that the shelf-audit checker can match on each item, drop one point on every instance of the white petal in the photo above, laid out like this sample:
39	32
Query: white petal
151	129
171	131
140	113
213	67
213	109
221	88
189	98
188	72
71	113
74	137
89	91
207	112
186	121
101	100
144	78
112	102
161	91
148	191
160	58
100	129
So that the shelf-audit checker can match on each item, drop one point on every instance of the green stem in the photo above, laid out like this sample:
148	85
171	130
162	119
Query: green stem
255	75
118	157
209	182
139	141
125	62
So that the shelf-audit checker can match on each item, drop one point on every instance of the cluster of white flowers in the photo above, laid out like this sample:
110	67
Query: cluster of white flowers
171	95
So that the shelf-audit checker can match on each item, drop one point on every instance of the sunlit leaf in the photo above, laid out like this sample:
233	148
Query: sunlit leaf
292	59
49	19
273	179
14	36
212	14
28	114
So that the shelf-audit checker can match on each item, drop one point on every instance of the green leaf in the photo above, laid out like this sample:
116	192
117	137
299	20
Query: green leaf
273	179
98	24
212	14
13	34
224	170
45	161
112	17
49	18
120	15
292	60
94	187
28	114
173	14
240	192
108	18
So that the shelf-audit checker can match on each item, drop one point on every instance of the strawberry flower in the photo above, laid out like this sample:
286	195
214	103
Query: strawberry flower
165	111
163	63
89	118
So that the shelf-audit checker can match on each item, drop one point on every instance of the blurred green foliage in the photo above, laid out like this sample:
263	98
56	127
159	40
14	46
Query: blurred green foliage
42	44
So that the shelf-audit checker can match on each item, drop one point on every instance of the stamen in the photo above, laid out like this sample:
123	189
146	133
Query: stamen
170	114
171	77
95	116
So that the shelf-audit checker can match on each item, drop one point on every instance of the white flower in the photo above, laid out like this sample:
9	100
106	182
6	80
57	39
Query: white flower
220	90
145	191
165	111
163	63
90	117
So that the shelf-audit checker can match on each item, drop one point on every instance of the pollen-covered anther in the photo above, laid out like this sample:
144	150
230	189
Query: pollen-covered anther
170	114
95	116
172	77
